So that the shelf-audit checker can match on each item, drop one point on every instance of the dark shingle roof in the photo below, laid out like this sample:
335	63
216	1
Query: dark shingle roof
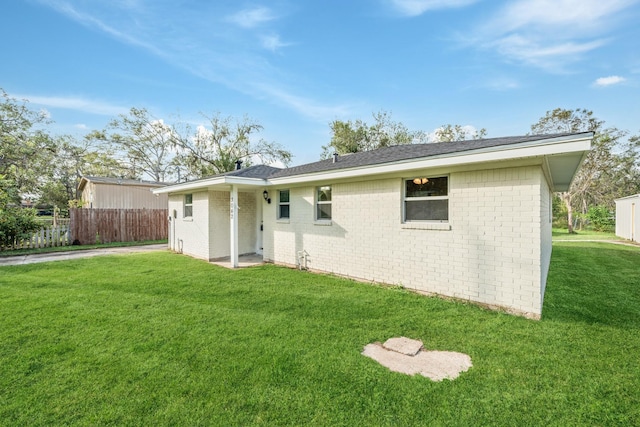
257	171
393	154
406	152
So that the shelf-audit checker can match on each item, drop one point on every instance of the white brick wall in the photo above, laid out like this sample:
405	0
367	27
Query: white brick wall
492	254
546	216
206	235
191	234
219	228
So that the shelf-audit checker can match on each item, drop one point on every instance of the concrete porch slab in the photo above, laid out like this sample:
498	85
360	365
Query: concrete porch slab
249	260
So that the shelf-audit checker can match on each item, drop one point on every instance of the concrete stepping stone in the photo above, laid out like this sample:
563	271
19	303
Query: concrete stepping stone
403	345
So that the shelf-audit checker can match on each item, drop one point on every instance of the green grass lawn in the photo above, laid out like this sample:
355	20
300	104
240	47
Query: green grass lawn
563	234
163	339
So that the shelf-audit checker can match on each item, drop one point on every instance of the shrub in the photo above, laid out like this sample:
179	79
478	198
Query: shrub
601	218
16	223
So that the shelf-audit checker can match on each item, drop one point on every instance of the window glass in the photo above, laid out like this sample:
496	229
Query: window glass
427	210
188	205
323	211
426	187
283	204
426	199
324	194
323	203
283	211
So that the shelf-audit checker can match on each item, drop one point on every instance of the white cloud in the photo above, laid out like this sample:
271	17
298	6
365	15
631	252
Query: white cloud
609	81
81	126
186	38
250	18
502	84
78	104
542	53
418	7
273	43
303	106
93	22
577	15
549	34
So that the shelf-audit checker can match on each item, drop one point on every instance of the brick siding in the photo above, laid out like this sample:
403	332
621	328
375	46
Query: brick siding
494	251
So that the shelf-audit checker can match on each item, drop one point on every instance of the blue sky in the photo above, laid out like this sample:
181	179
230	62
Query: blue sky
295	66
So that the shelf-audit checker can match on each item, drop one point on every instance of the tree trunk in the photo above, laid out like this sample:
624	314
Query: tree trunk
566	198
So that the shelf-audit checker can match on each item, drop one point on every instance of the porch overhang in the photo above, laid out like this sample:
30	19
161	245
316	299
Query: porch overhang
230	184
222	183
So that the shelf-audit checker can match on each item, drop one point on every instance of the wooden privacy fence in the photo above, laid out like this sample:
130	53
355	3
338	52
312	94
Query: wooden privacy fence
89	226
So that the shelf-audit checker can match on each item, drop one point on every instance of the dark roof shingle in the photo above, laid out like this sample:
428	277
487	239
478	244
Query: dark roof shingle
398	153
257	171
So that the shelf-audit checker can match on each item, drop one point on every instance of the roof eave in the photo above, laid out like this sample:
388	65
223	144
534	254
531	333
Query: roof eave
83	182
578	145
633	196
212	183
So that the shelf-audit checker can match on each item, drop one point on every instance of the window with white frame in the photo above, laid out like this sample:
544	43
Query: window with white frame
188	205
426	199
323	203
283	204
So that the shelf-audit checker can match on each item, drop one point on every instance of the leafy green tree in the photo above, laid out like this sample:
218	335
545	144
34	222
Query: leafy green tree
601	218
214	149
353	137
144	141
72	160
16	223
25	151
598	180
451	133
628	177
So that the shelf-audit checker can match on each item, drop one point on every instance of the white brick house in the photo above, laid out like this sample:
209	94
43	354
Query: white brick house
469	220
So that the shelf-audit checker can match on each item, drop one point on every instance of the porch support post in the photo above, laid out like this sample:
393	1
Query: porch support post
233	235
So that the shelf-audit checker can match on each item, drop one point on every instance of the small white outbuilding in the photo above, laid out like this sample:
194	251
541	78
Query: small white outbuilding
628	217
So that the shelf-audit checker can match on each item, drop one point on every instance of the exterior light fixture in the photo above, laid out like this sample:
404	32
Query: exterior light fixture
265	194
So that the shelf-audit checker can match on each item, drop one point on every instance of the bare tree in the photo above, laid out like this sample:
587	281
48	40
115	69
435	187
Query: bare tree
145	141
215	148
451	133
596	181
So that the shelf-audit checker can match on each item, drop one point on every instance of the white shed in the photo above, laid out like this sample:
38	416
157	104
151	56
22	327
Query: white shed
628	217
118	193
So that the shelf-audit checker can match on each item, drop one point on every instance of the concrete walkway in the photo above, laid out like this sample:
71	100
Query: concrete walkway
63	256
615	242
